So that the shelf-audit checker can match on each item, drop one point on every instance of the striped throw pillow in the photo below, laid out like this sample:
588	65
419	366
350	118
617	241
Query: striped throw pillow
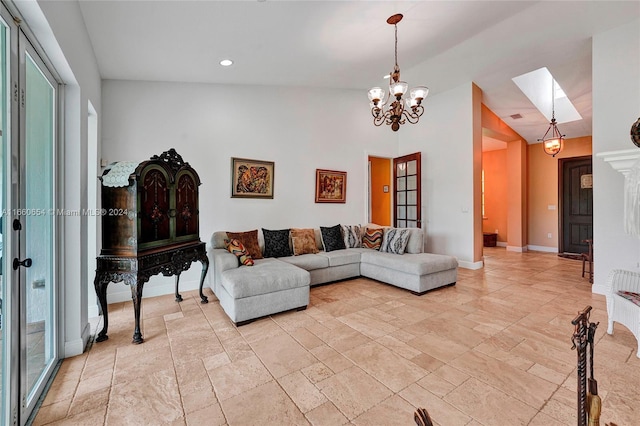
352	236
395	240
372	238
236	247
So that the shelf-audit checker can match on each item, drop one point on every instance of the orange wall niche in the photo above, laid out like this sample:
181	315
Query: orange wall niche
494	164
380	200
543	189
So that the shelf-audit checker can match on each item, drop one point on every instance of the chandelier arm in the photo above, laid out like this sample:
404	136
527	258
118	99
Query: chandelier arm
379	119
412	116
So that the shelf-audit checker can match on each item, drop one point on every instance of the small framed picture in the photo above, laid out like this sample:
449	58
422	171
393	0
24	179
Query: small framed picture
251	178
331	186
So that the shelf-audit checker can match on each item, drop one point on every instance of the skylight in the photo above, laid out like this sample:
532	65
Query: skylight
537	86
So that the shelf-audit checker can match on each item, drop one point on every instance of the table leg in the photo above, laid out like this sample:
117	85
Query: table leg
101	292
136	295
178	296
205	267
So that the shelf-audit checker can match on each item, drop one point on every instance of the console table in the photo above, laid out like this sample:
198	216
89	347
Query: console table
135	271
149	227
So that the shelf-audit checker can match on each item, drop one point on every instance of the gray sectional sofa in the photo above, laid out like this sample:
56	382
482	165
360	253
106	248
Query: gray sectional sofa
274	285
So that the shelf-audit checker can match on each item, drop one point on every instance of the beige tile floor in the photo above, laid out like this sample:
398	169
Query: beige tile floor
493	350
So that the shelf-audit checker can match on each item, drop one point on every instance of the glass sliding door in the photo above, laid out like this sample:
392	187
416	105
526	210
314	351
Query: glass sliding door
37	225
28	280
4	138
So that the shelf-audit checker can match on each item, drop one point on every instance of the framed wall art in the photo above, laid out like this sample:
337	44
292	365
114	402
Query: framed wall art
251	178
331	186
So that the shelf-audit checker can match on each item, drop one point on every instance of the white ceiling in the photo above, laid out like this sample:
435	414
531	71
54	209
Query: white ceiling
349	45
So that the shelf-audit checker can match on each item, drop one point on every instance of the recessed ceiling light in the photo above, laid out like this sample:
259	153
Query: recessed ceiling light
226	62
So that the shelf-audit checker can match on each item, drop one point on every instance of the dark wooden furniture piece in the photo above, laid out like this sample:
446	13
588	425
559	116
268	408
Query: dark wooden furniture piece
149	226
587	260
489	239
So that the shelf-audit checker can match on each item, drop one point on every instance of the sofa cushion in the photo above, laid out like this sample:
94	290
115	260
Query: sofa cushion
372	238
240	251
341	257
266	276
308	262
416	241
411	263
303	241
352	235
276	243
332	238
250	241
394	240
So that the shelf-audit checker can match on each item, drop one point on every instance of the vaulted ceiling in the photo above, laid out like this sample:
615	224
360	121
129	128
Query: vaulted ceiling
349	45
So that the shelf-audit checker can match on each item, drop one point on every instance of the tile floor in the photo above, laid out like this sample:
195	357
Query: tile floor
493	350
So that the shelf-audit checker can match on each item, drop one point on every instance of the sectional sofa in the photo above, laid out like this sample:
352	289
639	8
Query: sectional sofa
278	284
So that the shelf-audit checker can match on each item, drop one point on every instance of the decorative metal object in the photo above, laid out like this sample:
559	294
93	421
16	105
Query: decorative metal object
635	133
583	337
552	143
391	110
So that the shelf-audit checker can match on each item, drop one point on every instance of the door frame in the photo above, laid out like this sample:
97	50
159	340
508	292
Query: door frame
561	162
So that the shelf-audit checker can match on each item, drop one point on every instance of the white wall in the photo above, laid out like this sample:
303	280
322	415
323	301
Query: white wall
299	129
444	135
616	106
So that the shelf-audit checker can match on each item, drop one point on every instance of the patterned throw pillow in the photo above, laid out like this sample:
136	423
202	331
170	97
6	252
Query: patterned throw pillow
304	241
372	238
276	243
629	295
237	248
352	236
395	240
332	238
250	240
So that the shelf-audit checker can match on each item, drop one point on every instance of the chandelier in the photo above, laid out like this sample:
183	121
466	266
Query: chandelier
553	140
392	111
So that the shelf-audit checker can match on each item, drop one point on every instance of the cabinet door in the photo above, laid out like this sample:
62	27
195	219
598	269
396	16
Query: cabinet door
186	207
154	203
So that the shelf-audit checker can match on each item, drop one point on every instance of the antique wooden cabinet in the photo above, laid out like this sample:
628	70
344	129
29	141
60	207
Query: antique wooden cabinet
149	226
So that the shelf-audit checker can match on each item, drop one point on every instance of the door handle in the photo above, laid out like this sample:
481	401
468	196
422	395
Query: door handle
18	263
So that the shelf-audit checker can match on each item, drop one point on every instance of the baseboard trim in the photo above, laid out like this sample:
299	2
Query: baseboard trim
124	295
544	248
470	265
501	244
517	249
599	289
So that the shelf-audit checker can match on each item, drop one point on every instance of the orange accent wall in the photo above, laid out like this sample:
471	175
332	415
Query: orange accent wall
495	193
380	200
543	189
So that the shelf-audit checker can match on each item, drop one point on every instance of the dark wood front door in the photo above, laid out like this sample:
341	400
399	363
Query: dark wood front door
576	195
406	202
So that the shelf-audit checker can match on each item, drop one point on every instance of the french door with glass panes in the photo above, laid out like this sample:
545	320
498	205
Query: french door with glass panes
406	203
28	329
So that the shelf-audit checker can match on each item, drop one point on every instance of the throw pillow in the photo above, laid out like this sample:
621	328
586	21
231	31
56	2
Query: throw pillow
394	240
372	238
352	236
237	248
629	295
304	241
250	240
276	243
332	238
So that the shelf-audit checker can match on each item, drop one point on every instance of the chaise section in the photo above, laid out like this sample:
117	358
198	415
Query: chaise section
268	287
416	272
